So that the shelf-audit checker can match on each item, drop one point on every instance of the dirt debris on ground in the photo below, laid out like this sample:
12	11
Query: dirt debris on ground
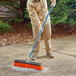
23	34
62	30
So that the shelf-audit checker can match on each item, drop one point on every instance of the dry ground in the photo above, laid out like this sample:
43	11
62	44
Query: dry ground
64	63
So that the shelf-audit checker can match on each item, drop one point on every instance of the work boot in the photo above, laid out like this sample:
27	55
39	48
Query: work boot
50	55
34	57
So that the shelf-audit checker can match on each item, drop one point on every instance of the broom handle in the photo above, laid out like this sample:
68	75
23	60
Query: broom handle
40	33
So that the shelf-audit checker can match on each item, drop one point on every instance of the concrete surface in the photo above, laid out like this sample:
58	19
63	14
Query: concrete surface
64	63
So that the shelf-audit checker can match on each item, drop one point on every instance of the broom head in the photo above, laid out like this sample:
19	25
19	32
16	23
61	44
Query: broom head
26	64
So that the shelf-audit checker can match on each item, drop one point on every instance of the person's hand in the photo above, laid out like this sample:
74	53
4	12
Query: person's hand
53	3
41	29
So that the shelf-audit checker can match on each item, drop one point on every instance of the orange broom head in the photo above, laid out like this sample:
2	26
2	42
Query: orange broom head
25	64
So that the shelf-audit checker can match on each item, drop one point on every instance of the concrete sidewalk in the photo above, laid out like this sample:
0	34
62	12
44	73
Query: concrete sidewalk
64	63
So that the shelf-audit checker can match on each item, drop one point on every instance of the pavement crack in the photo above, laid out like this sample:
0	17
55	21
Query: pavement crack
64	53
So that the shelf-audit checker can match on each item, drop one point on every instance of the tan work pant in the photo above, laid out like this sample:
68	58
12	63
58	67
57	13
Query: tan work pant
46	36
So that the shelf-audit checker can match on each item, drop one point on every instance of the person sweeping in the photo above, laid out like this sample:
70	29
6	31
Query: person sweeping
38	11
39	14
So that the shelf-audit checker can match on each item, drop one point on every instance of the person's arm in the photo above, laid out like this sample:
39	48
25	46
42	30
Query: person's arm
34	17
53	3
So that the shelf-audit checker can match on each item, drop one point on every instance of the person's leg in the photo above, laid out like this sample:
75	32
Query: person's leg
36	50
47	36
48	49
35	35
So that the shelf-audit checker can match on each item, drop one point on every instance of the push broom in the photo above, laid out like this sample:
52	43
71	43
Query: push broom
28	64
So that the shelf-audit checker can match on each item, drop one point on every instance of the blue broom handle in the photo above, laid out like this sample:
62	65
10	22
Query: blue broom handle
40	33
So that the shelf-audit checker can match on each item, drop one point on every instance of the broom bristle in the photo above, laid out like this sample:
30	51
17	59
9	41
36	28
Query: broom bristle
24	64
